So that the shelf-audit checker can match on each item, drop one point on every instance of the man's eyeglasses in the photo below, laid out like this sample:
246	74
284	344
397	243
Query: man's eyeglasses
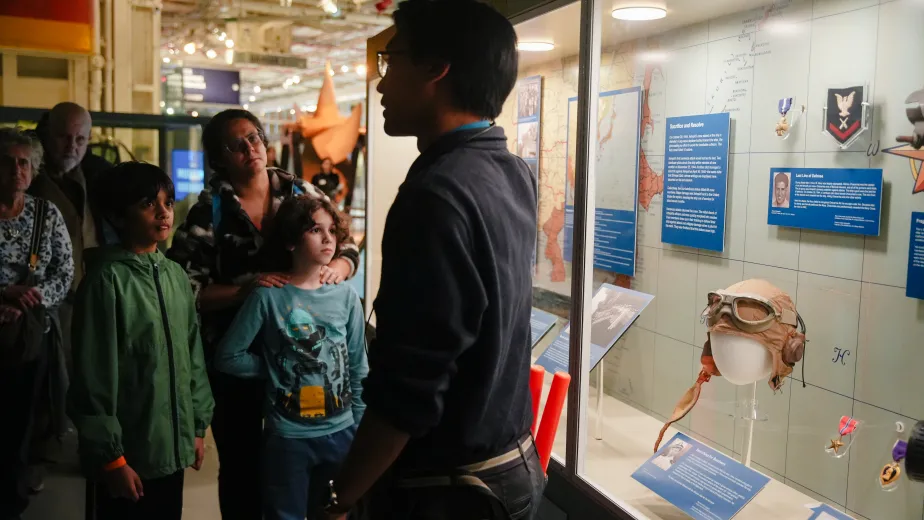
246	143
383	59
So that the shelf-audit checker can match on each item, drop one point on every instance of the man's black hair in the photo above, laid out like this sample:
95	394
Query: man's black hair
213	136
127	184
477	42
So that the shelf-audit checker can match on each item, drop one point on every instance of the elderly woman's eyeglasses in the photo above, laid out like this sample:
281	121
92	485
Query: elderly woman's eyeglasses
246	143
10	161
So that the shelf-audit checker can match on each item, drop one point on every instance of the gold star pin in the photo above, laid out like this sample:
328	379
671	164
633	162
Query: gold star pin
836	445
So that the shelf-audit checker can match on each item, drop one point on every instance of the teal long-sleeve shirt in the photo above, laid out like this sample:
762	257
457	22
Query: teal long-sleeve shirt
310	347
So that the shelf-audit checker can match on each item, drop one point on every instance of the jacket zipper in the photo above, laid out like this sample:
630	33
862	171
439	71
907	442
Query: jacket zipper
172	360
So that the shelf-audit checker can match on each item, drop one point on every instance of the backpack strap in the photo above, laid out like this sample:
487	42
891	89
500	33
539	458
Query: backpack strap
38	229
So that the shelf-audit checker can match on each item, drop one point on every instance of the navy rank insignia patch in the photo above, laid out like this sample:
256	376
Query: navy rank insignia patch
846	114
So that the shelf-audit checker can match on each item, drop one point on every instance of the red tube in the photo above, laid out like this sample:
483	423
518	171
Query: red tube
551	416
536	377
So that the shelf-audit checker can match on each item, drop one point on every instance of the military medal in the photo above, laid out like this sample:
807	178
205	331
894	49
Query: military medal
888	477
846	114
783	126
847	427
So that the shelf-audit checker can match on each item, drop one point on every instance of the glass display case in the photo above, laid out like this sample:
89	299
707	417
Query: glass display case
622	205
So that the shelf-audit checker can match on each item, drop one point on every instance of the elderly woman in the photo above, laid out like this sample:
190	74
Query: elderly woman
223	246
20	158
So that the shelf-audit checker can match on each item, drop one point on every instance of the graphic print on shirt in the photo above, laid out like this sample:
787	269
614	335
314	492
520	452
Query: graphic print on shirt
315	378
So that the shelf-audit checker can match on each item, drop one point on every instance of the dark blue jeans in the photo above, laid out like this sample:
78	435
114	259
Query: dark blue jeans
519	487
297	473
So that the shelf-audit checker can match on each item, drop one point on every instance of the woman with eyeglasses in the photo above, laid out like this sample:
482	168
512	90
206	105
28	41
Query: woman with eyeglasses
222	246
27	285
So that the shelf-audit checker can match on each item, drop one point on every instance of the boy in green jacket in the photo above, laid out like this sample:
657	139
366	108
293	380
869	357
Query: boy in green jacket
140	397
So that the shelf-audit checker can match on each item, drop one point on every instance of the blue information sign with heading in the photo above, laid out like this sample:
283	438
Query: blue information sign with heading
540	324
842	200
698	480
695	181
188	173
914	288
212	86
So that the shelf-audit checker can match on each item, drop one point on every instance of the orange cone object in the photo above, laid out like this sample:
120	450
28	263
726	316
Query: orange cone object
536	377
551	416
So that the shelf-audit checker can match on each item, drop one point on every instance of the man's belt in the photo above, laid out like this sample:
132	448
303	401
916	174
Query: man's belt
467	476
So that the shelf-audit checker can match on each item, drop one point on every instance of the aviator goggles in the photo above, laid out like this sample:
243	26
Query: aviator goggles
749	312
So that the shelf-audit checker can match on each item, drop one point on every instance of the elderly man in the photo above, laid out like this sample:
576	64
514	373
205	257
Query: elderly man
65	134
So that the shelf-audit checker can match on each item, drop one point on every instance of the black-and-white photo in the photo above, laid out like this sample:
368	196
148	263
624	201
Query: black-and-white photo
528	140
528	100
614	309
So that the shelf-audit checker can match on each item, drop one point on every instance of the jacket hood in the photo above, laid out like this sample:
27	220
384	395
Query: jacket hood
99	257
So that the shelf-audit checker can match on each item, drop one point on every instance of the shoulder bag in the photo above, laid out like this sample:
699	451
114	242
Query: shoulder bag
21	339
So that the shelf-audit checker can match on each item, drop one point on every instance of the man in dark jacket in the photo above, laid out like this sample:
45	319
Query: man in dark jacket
448	387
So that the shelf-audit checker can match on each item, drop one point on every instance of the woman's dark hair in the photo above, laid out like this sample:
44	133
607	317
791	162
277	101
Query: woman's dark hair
294	217
478	43
213	135
123	186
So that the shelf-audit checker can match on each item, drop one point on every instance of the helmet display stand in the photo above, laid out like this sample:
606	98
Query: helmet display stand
743	361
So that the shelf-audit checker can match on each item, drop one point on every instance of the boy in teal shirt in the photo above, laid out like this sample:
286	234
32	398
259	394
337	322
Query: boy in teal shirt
140	397
312	353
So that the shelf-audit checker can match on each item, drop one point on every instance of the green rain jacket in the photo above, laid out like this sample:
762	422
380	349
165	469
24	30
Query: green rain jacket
140	389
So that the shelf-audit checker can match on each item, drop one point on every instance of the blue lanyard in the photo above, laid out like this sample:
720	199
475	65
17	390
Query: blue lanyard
478	125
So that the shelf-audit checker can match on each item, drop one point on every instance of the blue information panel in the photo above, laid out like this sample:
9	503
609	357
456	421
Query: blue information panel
826	199
616	193
540	323
615	309
188	173
695	181
914	288
699	480
212	86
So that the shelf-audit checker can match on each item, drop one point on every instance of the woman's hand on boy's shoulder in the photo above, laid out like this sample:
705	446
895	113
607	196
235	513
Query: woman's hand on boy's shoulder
336	272
263	280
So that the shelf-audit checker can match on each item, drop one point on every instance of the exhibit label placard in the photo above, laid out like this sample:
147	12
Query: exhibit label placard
616	187
540	324
212	86
843	200
826	512
914	286
615	309
699	480
695	181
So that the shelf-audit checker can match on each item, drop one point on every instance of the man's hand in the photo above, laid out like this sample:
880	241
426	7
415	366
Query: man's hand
124	483
9	314
336	272
26	296
200	453
263	280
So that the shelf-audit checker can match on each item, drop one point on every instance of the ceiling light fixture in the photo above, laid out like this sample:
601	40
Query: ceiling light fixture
166	59
229	56
163	104
296	80
330	7
312	108
535	46
331	72
229	44
194	114
344	69
292	111
211	54
252	98
246	106
190	48
256	89
639	13
361	70
222	37
170	111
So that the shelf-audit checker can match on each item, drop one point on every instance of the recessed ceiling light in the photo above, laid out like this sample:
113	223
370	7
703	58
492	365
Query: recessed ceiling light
256	89
253	98
639	13
211	54
361	70
246	106
166	59
535	46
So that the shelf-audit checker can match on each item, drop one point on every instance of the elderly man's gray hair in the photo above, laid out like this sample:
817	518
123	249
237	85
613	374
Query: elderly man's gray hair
20	137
